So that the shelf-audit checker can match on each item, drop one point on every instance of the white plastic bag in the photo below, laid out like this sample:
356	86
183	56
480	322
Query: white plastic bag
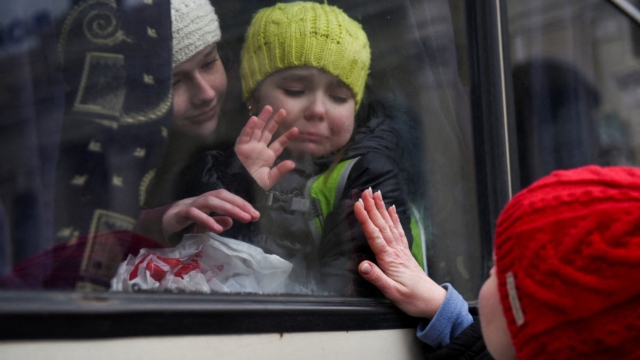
203	263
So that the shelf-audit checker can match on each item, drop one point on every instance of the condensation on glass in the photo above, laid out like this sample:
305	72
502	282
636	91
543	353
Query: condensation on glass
87	142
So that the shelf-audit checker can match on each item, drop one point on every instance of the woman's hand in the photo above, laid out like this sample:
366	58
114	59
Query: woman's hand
397	274
197	209
255	153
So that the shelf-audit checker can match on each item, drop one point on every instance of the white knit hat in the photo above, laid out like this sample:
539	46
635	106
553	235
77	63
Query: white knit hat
194	26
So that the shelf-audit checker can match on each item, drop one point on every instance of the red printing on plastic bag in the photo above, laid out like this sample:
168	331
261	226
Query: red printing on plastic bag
187	268
158	272
134	272
172	262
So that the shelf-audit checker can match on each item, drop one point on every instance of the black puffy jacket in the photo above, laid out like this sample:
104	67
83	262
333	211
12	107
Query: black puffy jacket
328	265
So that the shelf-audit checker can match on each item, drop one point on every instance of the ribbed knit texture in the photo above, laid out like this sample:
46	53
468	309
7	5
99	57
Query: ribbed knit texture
572	242
450	320
194	26
305	34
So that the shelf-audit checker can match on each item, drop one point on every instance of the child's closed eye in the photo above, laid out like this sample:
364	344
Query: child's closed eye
339	99
293	92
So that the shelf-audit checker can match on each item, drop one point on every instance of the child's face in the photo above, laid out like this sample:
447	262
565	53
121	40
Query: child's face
199	87
492	321
317	103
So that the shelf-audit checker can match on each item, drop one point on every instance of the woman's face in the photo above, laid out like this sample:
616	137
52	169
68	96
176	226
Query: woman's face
199	87
320	105
492	321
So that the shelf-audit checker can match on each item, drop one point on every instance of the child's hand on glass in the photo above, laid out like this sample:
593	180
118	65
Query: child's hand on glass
255	152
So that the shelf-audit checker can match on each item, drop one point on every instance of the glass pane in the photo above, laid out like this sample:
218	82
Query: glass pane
114	135
575	71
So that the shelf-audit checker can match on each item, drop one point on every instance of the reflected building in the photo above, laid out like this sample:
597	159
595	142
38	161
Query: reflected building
575	67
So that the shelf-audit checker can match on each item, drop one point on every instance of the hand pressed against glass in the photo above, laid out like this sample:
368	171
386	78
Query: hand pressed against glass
317	103
257	154
199	87
402	280
397	273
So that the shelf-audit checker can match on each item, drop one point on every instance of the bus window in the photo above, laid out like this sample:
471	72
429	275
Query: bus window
119	115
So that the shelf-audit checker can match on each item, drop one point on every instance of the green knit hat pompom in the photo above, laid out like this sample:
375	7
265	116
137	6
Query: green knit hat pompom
295	34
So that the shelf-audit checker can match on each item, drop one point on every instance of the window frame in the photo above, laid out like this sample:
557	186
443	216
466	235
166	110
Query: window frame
37	315
492	106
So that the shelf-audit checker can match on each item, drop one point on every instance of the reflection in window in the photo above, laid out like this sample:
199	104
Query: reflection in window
113	146
575	65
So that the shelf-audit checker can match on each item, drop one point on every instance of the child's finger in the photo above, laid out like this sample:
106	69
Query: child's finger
371	232
264	115
272	125
280	170
247	131
263	119
280	143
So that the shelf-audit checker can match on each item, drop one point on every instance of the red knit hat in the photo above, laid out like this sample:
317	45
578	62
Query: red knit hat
568	265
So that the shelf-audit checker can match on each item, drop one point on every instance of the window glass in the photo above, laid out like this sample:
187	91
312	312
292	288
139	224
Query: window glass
116	136
575	71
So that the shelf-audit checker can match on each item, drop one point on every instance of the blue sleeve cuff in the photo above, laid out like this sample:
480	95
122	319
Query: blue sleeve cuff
450	320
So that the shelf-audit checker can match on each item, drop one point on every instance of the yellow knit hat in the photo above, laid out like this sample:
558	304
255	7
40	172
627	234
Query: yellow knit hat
305	34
